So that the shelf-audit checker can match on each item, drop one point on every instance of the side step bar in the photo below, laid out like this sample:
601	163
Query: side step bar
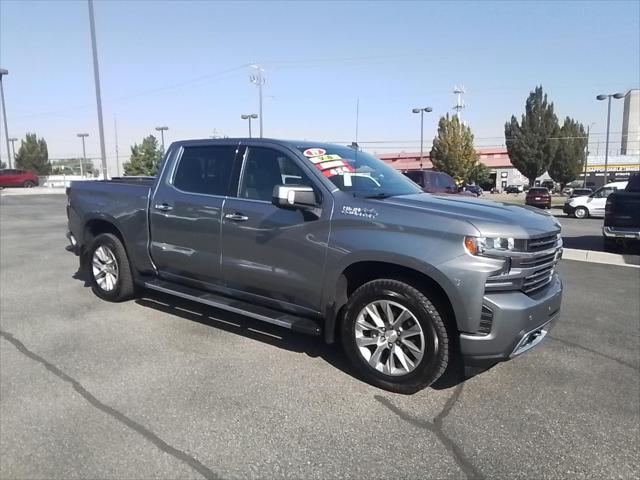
292	322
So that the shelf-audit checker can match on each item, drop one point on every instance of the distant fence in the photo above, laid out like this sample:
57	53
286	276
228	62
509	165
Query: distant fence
53	181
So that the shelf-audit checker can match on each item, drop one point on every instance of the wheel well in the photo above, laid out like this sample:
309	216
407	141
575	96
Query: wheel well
95	227
359	273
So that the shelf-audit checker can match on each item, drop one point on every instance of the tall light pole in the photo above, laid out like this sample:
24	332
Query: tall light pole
84	152
608	96
586	155
13	147
162	130
96	77
249	117
4	72
258	79
421	112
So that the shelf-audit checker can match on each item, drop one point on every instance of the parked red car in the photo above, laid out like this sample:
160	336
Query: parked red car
538	197
11	177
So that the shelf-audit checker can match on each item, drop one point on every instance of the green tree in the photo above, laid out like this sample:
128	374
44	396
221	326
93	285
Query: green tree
453	150
481	175
531	143
568	161
33	155
145	158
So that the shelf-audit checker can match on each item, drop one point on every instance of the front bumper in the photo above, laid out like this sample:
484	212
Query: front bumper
520	322
568	209
619	232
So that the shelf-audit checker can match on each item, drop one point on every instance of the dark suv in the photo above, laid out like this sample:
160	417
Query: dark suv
538	197
433	182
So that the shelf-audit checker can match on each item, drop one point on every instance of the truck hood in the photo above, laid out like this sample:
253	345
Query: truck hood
491	219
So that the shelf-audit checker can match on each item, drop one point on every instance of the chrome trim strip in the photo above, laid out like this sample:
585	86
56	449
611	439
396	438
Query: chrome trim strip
524	346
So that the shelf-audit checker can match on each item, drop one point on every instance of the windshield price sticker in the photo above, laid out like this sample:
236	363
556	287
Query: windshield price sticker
314	152
324	158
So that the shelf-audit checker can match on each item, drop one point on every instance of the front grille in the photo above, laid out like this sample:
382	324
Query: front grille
542	243
486	321
538	279
537	261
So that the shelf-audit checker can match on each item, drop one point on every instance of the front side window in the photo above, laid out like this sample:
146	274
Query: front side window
445	181
265	168
357	172
205	170
603	192
415	176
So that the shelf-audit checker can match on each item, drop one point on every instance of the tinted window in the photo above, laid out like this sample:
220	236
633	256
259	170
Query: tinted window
205	170
603	192
444	181
264	169
634	183
415	176
538	191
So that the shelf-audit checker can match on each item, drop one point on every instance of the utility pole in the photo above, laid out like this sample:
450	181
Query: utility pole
459	91
84	152
586	158
115	129
13	148
258	80
4	72
96	77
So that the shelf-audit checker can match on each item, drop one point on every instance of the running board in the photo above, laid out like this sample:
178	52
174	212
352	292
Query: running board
265	314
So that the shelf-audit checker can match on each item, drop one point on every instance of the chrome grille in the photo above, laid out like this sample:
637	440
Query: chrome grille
538	279
542	243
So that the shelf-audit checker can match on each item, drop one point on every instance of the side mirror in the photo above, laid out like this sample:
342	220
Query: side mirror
294	197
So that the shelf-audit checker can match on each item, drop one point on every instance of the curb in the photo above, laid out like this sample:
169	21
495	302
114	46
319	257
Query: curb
592	256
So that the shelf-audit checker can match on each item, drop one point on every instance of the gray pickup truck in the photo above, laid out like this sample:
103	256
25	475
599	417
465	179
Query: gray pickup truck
330	241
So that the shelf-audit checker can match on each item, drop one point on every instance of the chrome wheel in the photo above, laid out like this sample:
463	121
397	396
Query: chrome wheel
580	212
389	337
105	268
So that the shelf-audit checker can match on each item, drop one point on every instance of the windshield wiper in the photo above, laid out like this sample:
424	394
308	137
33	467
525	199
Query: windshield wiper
378	195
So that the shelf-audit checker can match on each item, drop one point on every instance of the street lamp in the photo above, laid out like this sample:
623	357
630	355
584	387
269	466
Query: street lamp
162	130
421	112
13	141
249	117
4	114
586	155
608	96
84	152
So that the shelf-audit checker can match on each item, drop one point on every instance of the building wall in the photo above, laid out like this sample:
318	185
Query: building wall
631	124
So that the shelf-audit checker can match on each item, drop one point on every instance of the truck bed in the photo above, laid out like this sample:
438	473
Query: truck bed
123	202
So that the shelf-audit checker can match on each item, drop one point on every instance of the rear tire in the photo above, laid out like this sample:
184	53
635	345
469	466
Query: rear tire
109	269
581	212
403	346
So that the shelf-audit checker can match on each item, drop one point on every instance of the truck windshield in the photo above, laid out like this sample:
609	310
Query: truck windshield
358	172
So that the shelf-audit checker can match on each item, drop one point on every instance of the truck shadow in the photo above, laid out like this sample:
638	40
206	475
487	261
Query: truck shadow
311	346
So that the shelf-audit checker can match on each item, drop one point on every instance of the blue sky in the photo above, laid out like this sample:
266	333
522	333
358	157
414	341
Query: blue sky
184	65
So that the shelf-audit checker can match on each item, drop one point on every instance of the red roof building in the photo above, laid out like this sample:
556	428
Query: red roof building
492	157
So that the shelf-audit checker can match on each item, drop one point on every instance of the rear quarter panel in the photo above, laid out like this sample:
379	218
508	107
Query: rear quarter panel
123	205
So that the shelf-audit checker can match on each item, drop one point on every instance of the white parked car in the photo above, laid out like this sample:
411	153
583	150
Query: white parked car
592	205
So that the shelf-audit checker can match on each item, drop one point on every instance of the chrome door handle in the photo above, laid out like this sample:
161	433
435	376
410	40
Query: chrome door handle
163	207
236	217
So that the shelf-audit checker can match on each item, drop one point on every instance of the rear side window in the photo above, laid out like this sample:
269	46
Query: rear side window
264	169
444	181
205	170
414	176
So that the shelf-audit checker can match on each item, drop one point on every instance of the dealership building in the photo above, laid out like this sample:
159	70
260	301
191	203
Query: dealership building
503	173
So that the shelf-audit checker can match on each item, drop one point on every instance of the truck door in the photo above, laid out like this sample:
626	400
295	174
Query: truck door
269	254
186	211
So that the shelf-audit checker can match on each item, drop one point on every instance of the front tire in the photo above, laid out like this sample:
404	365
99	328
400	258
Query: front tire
394	336
109	269
581	212
28	184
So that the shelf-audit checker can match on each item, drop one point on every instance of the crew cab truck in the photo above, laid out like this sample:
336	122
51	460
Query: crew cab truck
622	215
292	234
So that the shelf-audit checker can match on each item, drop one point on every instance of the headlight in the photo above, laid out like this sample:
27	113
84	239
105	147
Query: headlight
482	245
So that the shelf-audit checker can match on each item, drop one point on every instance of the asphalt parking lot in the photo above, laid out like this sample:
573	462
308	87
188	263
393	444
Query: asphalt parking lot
159	388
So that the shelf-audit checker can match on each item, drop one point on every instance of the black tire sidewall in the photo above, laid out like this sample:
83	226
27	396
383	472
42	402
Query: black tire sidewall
430	367
112	243
28	184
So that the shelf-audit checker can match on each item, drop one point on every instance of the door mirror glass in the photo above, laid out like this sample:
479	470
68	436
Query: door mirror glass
294	197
